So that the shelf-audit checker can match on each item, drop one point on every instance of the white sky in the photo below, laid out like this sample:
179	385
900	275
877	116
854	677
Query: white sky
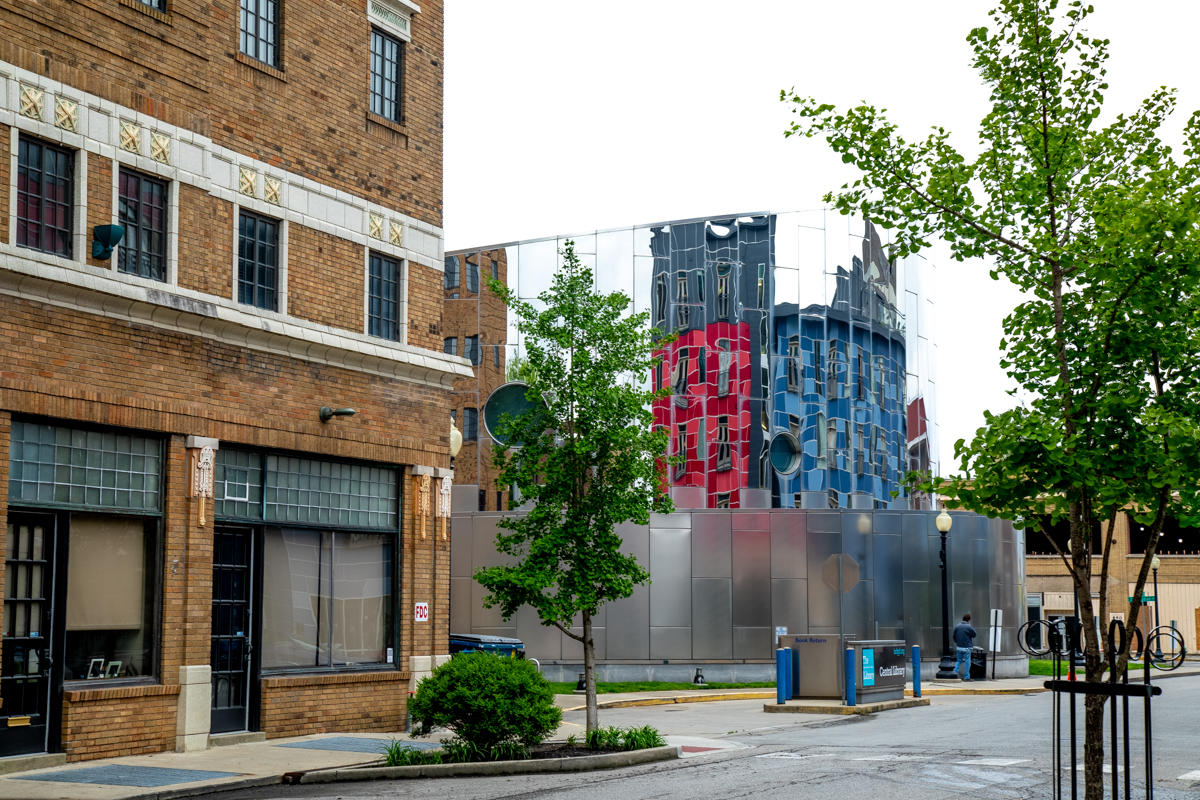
563	116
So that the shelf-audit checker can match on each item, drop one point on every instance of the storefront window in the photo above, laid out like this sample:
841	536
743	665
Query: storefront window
327	598
110	598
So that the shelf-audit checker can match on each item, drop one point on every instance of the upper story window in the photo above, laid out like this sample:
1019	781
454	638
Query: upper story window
495	270
387	75
160	5
258	261
472	277
450	346
143	211
260	30
383	297
45	196
470	429
450	279
471	348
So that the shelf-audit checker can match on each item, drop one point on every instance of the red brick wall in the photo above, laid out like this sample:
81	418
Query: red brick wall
309	117
99	203
325	278
107	371
357	701
104	723
205	242
5	140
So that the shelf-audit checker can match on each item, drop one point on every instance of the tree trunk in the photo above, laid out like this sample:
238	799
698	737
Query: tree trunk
589	672
1093	747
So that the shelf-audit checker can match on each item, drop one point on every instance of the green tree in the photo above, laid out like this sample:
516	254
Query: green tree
1098	225
590	458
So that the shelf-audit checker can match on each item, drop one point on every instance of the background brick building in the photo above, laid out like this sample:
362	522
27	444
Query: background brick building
191	546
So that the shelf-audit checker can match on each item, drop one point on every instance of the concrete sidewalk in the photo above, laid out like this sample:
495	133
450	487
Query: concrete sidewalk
174	775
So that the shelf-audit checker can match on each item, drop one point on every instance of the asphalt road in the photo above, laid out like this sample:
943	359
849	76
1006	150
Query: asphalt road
981	747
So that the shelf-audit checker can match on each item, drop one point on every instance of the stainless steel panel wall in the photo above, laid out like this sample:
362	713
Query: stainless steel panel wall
670	644
720	588
753	643
671	588
824	599
628	619
460	604
712	634
789	605
538	638
788	545
752	579
711	546
462	537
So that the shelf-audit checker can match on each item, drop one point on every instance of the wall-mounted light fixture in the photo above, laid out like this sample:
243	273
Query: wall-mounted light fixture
104	239
328	413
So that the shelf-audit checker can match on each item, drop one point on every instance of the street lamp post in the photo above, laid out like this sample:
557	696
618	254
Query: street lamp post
946	665
1077	644
1158	654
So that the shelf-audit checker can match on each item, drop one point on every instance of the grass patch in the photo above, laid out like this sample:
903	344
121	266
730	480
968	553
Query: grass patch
567	687
1044	666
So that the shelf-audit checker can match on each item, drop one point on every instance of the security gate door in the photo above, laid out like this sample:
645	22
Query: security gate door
231	629
26	684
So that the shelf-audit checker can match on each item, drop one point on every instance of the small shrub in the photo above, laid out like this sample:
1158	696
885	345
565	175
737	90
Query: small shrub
642	738
604	739
486	701
628	739
572	740
400	754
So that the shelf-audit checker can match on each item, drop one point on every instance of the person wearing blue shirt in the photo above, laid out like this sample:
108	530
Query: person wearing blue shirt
964	639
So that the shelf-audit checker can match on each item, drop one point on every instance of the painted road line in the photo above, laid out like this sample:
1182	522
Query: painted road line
797	756
1079	768
994	762
1194	775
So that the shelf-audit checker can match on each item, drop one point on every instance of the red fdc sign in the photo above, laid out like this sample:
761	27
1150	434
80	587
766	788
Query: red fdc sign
421	612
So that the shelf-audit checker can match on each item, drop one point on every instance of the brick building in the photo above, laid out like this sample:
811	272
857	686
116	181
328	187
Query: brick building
194	545
476	327
1176	596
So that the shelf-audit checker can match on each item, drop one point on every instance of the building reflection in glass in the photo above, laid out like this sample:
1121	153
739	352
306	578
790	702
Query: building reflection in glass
801	373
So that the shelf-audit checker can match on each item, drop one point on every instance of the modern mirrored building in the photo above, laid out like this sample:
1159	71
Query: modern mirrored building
801	374
802	390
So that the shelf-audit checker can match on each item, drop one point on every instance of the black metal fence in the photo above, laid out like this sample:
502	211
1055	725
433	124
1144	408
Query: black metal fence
1062	641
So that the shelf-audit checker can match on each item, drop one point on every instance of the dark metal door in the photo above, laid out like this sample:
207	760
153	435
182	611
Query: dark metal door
231	629
26	684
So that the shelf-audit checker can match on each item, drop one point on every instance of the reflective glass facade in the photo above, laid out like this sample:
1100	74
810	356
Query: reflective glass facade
801	373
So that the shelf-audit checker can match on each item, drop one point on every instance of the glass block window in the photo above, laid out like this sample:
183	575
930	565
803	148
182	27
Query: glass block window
260	30
237	484
470	429
57	466
258	261
450	278
495	270
45	196
471	349
384	297
143	212
472	277
450	345
387	75
307	491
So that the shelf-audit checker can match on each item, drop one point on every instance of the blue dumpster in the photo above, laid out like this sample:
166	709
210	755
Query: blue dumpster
478	642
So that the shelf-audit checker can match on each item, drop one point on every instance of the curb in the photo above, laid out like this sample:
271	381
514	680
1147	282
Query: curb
536	765
866	708
206	790
1009	691
666	701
